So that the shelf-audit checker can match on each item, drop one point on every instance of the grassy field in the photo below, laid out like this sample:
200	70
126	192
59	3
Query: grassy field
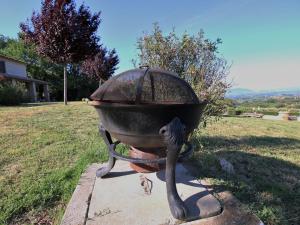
45	148
266	158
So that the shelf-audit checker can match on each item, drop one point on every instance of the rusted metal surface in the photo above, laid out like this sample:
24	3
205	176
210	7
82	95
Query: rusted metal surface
146	86
151	110
113	155
134	105
138	125
152	153
174	134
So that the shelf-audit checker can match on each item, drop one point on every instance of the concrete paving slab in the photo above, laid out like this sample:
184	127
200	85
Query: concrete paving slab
233	213
121	199
77	209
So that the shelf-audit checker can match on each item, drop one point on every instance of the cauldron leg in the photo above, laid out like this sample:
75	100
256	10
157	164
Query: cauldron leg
174	136
111	161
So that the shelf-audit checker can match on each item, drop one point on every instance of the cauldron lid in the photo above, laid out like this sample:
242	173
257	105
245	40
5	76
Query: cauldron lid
146	86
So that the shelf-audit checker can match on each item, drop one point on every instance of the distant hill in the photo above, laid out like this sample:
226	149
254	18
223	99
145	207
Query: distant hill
238	92
243	93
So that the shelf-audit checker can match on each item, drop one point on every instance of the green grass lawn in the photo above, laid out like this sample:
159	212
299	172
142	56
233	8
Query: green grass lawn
266	158
45	148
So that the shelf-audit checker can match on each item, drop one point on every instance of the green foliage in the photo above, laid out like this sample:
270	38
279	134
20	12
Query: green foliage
231	111
283	102
269	214
62	33
229	102
4	41
79	85
266	111
271	106
238	112
194	58
12	94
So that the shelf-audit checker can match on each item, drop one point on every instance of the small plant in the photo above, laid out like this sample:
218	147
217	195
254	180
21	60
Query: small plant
269	214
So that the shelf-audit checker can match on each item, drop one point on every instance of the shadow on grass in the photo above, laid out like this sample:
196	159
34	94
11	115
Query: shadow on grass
30	104
268	185
37	104
249	142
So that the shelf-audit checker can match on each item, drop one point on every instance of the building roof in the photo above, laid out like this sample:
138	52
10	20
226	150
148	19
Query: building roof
12	59
24	79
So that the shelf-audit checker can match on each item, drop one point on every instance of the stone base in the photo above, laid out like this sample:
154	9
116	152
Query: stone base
79	207
120	198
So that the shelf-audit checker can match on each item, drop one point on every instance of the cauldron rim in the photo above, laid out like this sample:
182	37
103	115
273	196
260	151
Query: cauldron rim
97	104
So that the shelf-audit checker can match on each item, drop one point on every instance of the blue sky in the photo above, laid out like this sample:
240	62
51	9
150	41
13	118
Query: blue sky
261	38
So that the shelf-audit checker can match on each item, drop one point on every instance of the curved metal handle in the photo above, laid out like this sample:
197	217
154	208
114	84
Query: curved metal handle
144	66
140	84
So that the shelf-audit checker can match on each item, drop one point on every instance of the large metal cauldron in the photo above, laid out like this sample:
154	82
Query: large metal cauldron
139	125
136	104
153	111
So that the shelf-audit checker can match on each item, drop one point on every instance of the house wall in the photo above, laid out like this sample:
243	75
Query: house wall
14	68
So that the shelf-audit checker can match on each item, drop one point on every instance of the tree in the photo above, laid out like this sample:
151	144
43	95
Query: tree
37	67
101	66
63	34
79	85
3	41
193	58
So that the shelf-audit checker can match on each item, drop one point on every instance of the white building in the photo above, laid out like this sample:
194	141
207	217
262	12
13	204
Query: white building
12	69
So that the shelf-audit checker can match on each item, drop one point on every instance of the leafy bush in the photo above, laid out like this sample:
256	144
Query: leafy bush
12	94
238	112
231	111
294	112
266	111
194	58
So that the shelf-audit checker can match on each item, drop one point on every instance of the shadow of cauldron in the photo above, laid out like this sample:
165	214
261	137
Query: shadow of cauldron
151	110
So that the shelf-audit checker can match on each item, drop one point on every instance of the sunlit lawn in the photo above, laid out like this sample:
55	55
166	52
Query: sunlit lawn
266	158
45	148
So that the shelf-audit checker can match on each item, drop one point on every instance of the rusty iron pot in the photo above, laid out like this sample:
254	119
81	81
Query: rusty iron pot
136	104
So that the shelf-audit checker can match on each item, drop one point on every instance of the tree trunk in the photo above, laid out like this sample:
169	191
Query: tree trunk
65	86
